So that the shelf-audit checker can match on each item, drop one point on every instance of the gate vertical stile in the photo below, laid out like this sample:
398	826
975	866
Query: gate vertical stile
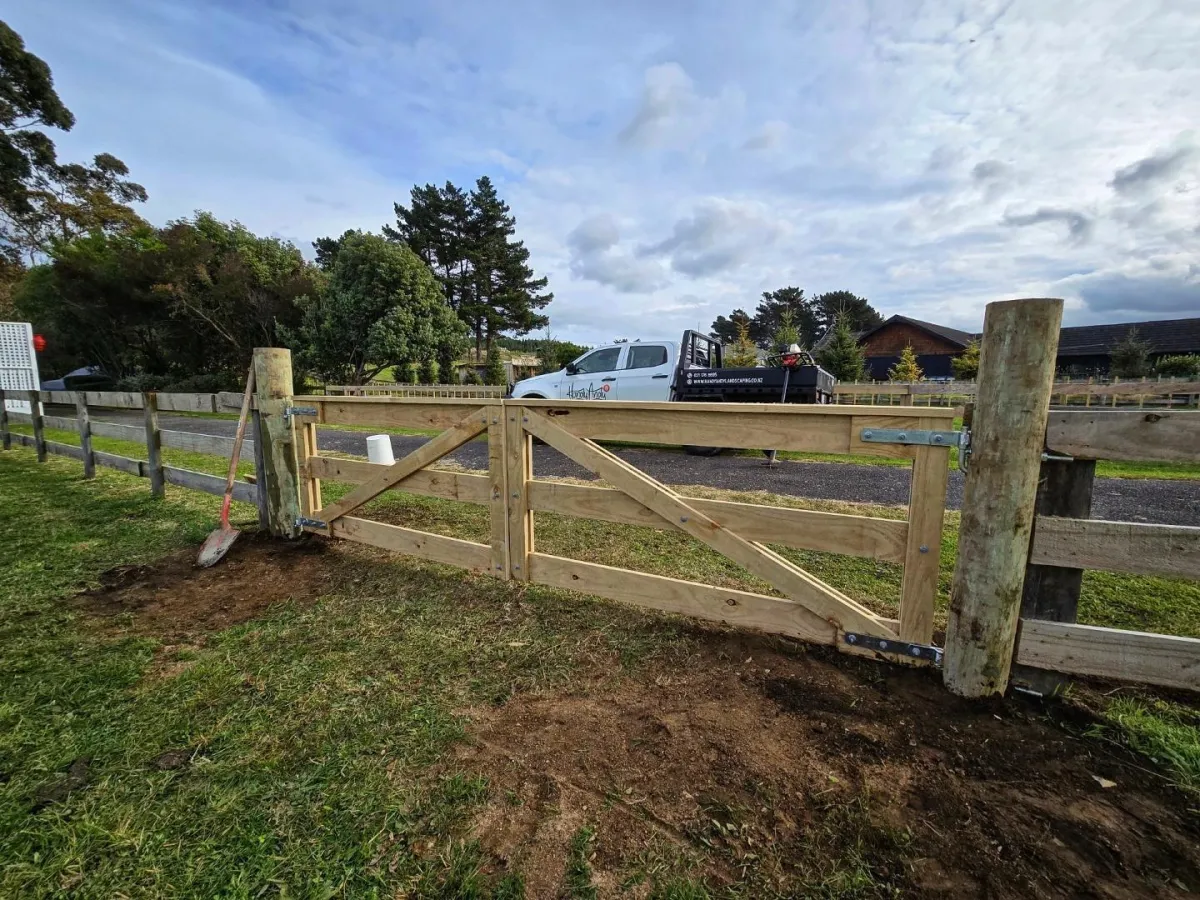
518	454
498	505
923	552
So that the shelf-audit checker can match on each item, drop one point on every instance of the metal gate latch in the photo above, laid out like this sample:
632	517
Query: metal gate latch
298	411
900	648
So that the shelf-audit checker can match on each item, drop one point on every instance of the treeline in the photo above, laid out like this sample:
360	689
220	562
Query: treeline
184	304
787	316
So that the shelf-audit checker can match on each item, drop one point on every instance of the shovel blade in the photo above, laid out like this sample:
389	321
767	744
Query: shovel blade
216	545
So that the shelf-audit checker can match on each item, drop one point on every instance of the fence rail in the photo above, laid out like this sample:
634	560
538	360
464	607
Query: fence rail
150	436
1066	541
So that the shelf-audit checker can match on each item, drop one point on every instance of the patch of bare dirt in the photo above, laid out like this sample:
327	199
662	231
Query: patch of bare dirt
784	768
174	599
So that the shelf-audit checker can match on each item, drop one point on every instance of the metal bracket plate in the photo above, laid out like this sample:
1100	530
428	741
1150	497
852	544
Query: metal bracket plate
900	648
304	522
299	411
911	436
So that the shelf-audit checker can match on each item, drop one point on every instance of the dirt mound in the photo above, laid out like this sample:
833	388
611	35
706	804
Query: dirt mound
803	772
174	599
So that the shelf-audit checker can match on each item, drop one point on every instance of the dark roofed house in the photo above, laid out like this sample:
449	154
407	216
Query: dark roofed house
1083	350
1087	349
935	346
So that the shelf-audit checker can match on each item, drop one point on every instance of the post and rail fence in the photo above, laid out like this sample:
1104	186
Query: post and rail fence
1024	540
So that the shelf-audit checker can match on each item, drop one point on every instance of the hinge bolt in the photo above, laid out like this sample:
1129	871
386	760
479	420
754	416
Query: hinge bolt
683	518
924	548
866	434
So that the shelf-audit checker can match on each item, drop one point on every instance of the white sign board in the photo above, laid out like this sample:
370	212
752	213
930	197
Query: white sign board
18	364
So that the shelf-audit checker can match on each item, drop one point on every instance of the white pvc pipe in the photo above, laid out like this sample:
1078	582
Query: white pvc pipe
379	449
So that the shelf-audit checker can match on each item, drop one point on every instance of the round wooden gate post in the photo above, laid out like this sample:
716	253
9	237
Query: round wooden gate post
276	437
1016	376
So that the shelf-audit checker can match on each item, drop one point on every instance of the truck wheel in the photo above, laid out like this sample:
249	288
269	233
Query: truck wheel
692	450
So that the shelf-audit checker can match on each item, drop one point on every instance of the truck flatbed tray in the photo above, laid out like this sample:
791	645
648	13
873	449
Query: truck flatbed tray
805	384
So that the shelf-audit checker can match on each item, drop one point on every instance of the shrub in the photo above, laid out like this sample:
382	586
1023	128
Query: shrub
493	372
1178	366
966	364
1131	357
907	370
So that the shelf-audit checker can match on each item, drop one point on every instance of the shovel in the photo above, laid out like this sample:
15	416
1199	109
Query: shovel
217	544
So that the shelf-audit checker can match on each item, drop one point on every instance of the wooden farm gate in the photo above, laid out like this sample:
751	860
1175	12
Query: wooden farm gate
808	609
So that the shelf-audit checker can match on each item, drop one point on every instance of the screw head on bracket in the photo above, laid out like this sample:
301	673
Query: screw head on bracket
924	548
866	434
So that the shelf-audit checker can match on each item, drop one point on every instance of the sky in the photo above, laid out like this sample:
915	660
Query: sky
669	161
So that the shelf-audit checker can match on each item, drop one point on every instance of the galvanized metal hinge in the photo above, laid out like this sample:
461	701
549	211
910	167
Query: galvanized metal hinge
299	411
911	436
900	648
305	522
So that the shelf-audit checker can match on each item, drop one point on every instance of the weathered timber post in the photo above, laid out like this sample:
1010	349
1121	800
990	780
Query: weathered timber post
35	416
5	434
1016	377
85	434
154	463
281	481
260	467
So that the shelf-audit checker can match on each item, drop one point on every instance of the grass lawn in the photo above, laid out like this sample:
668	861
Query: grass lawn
317	739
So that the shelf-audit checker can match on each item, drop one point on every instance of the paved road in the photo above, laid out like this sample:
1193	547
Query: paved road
1120	499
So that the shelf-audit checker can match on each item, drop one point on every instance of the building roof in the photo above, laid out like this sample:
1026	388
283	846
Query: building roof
1166	336
953	335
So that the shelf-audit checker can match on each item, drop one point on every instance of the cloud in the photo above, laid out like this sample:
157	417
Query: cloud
929	160
1143	292
668	95
595	234
718	236
595	257
1079	226
989	170
770	136
1153	170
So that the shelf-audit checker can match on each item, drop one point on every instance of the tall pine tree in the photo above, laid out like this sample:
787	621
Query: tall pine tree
468	239
769	315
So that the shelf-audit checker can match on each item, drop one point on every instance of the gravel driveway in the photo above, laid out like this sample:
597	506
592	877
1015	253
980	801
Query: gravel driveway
1118	499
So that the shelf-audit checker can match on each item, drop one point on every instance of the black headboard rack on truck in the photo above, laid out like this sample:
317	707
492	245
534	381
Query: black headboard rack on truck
700	377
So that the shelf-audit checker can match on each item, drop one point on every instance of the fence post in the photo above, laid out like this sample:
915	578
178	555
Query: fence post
260	468
273	391
153	445
35	416
5	434
85	434
1016	377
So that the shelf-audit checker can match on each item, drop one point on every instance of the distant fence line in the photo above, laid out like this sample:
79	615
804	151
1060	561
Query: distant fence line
1171	393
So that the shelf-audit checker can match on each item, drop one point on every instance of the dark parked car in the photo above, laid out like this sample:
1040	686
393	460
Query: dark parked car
89	378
